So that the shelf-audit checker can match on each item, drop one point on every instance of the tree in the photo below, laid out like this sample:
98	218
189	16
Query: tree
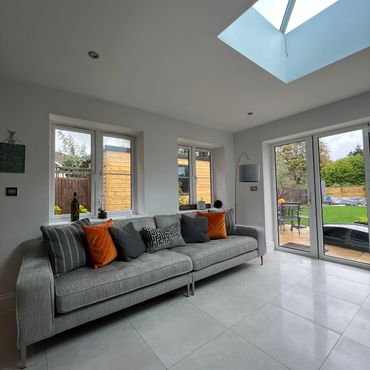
357	150
291	165
346	171
73	154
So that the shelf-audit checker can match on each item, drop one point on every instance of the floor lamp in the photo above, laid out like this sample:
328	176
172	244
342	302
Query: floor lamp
247	173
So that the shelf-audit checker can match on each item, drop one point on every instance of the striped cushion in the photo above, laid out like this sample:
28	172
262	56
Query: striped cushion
66	244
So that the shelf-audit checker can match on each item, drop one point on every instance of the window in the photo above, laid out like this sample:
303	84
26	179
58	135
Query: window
194	175
286	15
95	165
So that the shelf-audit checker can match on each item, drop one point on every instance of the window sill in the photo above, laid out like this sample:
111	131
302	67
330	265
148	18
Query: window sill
55	222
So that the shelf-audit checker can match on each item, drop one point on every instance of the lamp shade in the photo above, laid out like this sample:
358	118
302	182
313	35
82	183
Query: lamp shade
249	173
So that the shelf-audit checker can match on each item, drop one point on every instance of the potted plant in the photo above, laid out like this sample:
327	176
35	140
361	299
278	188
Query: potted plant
102	214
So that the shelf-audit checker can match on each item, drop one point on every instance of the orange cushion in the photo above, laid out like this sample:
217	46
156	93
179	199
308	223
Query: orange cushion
216	224
100	245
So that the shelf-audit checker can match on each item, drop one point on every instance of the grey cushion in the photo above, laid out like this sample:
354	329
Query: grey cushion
163	221
138	222
66	246
194	229
127	241
215	251
85	286
157	239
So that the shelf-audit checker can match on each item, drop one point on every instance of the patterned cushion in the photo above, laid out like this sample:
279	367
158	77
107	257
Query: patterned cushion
66	246
156	239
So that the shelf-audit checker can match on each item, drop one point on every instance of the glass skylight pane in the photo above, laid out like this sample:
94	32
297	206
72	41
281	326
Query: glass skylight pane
306	9
272	10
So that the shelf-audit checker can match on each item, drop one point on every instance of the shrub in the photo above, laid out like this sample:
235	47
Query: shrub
57	210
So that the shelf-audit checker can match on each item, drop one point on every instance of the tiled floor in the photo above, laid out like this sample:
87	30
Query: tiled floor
294	312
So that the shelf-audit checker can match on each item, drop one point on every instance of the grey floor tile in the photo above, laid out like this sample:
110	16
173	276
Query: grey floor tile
348	355
228	351
346	272
175	331
337	287
366	303
120	348
226	303
328	311
293	341
359	329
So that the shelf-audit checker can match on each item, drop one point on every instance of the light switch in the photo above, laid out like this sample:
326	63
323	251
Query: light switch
11	192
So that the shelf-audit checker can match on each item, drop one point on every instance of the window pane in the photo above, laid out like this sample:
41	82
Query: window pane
203	174
72	170
183	162
116	174
304	10
272	10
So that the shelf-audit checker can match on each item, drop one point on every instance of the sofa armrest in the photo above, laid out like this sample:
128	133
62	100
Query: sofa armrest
34	295
255	232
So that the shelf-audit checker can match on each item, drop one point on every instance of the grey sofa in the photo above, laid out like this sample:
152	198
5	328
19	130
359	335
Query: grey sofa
46	305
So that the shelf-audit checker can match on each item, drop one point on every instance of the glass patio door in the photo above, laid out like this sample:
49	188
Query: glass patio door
342	199
294	197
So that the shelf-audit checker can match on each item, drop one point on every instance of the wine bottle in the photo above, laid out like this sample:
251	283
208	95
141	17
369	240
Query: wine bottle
75	208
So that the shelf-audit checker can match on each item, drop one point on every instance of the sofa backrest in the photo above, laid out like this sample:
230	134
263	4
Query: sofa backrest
138	222
166	220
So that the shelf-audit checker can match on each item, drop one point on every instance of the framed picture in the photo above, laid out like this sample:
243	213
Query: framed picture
12	158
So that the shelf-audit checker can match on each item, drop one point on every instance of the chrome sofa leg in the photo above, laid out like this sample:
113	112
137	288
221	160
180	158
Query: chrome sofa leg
188	290
23	357
261	260
193	288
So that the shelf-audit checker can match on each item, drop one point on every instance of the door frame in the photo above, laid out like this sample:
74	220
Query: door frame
313	252
318	191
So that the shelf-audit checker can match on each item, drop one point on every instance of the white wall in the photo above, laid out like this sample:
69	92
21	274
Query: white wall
25	108
251	208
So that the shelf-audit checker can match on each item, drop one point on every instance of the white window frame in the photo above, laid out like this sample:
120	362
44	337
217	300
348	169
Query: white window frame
192	172
96	171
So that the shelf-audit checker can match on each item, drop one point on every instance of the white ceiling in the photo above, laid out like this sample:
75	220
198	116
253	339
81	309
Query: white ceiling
162	56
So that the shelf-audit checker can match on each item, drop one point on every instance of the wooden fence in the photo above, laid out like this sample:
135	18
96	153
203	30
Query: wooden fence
117	180
204	182
346	191
64	189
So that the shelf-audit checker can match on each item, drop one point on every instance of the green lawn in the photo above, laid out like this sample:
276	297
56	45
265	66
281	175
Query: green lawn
338	214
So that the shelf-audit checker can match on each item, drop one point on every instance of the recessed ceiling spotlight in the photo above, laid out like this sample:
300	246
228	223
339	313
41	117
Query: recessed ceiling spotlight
250	113
93	54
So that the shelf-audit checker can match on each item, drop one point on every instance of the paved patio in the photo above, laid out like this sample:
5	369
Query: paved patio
301	241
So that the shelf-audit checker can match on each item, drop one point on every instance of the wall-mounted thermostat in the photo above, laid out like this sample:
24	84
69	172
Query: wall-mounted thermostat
11	192
253	188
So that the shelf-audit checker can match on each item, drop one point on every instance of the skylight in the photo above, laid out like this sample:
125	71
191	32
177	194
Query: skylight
293	38
272	10
296	12
306	9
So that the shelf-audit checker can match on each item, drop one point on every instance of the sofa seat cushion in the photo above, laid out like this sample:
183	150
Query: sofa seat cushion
85	286
214	251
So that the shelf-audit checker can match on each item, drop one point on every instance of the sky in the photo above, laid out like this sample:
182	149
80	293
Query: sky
85	139
273	11
340	145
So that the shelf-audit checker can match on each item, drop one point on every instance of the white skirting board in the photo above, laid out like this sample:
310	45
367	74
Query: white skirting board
270	246
7	302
